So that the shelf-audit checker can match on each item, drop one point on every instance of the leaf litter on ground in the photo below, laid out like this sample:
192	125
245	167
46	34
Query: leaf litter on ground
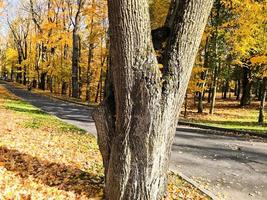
43	158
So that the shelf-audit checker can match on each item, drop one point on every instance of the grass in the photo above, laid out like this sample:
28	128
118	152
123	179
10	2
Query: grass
37	118
42	157
228	114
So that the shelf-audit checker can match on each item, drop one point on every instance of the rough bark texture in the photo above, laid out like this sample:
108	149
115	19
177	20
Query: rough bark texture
137	120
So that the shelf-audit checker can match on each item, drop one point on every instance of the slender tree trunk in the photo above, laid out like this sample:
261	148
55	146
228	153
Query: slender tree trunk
247	85
64	88
185	104
88	72
203	78
76	49
235	94
138	118
210	94
19	69
24	75
263	99
75	63
213	97
214	88
260	90
200	103
216	59
238	89
42	81
227	83
12	72
226	89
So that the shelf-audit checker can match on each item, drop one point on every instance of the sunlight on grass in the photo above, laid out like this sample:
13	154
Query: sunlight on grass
228	114
37	118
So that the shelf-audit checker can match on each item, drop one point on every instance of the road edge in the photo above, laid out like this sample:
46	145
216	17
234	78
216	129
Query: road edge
213	129
196	185
204	128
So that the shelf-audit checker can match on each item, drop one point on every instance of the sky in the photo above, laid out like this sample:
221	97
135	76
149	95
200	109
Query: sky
10	9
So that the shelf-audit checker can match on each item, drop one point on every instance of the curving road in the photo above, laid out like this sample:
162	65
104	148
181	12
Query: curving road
232	168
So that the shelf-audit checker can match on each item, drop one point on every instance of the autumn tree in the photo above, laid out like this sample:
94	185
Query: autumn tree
260	62
247	38
75	12
137	120
20	32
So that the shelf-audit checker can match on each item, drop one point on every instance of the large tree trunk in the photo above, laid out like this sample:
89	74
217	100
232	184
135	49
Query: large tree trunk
137	120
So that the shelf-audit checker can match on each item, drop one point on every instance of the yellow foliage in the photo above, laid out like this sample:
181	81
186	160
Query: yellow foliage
259	60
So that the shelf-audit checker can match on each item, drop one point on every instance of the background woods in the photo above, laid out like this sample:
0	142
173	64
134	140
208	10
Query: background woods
58	46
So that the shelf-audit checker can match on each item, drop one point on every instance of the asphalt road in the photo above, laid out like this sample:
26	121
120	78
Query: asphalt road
232	168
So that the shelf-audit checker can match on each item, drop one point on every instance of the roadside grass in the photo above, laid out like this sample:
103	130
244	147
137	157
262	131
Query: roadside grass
228	114
37	118
43	158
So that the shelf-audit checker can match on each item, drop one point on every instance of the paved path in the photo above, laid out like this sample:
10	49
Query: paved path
230	167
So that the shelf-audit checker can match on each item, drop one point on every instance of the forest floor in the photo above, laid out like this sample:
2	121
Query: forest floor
42	157
228	114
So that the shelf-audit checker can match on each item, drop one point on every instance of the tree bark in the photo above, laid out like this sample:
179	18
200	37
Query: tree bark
246	84
214	88
209	95
185	104
263	99
76	50
200	103
88	72
238	89
200	107
137	120
75	64
259	90
42	81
